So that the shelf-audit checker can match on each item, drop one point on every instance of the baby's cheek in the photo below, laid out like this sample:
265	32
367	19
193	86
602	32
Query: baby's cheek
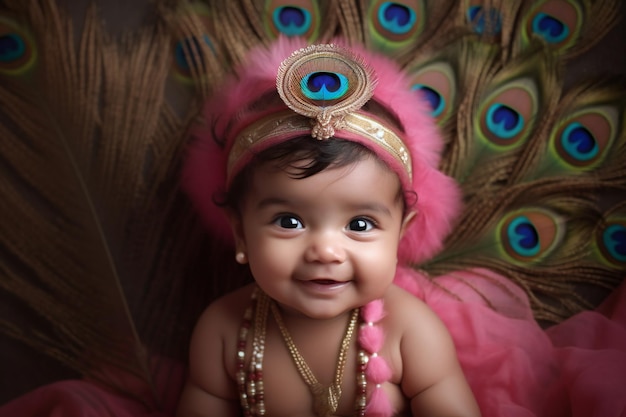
378	273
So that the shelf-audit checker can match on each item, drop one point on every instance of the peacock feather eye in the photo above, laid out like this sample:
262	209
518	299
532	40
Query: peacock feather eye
582	140
549	28
528	235
327	80
558	22
484	21
436	101
396	18
292	18
292	21
188	53
578	142
612	243
436	83
18	51
504	121
507	116
393	25
191	52
324	86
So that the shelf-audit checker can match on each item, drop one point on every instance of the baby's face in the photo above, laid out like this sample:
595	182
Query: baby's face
323	245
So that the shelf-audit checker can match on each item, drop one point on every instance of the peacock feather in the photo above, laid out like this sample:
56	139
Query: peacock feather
97	241
309	19
569	27
609	239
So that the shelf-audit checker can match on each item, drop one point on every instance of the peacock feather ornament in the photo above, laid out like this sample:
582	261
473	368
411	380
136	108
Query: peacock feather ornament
104	265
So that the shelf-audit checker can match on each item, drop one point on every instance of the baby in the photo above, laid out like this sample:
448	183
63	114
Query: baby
323	162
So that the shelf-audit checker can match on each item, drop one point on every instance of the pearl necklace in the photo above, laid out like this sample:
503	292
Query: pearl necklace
250	382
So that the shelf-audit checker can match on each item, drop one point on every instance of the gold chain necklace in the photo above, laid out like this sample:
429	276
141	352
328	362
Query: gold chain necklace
325	399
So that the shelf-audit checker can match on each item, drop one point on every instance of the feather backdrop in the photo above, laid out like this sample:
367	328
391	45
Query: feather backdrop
103	265
97	241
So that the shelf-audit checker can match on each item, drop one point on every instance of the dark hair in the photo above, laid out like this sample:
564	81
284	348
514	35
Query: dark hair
289	156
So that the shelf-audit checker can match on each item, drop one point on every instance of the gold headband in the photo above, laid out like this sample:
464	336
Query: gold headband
287	123
325	86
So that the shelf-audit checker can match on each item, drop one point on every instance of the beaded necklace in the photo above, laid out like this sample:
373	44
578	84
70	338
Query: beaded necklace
250	381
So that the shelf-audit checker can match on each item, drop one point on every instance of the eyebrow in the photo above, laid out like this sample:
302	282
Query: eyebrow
367	206
375	207
271	201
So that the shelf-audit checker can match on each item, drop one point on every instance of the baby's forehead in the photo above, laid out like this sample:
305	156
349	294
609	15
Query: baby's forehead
368	175
300	164
287	163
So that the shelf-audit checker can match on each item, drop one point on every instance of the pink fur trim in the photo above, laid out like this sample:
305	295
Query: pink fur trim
371	338
374	311
203	178
377	370
379	404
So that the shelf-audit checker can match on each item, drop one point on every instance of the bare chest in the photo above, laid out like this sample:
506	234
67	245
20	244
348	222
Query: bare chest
286	392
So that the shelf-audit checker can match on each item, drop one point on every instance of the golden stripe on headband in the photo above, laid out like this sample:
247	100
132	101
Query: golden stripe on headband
288	125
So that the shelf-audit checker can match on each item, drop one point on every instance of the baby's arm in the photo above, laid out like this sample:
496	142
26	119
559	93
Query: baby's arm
432	377
209	390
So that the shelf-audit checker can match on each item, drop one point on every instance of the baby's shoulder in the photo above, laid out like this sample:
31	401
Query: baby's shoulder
226	313
405	312
398	300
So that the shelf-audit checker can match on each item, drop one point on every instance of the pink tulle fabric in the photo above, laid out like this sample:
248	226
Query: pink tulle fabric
575	369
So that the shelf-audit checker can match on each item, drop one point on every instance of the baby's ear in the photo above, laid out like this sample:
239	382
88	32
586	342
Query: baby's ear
407	221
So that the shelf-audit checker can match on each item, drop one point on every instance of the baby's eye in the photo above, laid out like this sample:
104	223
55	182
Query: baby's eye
361	224
288	222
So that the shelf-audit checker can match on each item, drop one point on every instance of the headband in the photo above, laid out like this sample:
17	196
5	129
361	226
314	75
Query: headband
324	91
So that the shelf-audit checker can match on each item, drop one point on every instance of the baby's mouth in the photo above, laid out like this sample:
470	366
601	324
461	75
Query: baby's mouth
324	285
325	282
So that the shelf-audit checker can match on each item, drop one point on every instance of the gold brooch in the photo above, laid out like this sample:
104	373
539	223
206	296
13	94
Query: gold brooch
324	83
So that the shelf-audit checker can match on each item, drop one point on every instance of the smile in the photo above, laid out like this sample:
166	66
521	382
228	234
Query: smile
325	285
326	282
